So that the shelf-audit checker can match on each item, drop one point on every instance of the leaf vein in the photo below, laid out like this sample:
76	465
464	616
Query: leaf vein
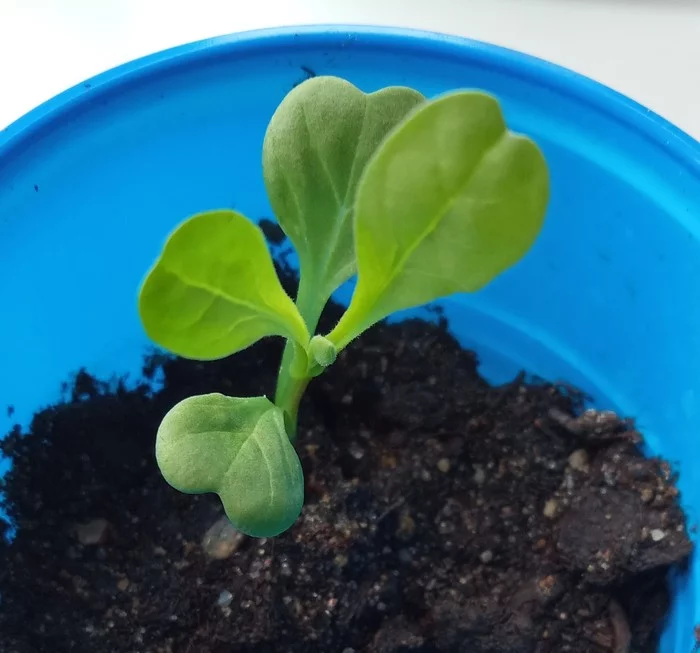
268	463
273	316
320	159
437	219
302	233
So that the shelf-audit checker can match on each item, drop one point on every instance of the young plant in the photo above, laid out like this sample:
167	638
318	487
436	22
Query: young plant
419	198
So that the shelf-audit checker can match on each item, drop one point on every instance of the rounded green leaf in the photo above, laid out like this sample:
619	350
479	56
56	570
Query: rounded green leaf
315	149
450	200
214	290
239	449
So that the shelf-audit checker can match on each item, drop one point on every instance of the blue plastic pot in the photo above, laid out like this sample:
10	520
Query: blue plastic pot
91	182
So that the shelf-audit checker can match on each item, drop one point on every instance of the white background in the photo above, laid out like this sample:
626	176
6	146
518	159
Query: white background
648	49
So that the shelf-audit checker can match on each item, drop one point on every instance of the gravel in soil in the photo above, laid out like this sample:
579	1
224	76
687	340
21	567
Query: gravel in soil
442	515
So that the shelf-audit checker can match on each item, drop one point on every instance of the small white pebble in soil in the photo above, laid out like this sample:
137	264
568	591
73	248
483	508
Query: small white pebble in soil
657	535
222	540
578	460
255	569
486	557
550	509
443	465
647	495
225	599
425	475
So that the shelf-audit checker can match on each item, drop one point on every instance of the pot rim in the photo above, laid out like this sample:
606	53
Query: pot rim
682	147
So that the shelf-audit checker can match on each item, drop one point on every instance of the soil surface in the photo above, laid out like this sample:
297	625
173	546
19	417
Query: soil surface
442	515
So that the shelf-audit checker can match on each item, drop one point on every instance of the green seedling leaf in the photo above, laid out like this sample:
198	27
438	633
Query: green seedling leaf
237	448
450	200
315	149
214	290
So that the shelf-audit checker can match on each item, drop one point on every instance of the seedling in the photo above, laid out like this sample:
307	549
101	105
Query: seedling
418	198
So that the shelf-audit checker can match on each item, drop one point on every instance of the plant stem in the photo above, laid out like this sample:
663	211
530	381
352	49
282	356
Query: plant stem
289	402
290	390
353	322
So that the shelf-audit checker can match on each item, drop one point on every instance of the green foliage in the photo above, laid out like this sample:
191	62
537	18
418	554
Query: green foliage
239	449
481	202
421	198
214	290
315	149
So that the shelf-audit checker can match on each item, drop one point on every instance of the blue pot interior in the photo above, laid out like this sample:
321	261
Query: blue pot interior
91	184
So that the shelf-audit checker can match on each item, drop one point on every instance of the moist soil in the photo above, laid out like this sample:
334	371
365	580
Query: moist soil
442	515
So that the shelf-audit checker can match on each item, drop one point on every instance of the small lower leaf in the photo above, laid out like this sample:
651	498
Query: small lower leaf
239	449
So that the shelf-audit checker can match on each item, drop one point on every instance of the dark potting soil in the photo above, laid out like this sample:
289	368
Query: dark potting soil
442	515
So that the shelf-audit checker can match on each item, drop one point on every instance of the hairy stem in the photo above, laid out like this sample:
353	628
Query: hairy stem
353	322
290	390
289	402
